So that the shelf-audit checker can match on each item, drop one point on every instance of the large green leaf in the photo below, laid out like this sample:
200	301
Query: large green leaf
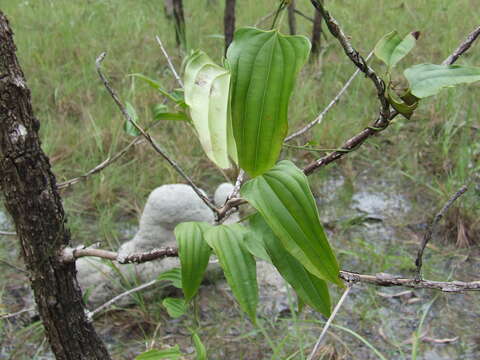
428	79
264	66
284	199
207	93
312	290
237	263
392	48
171	354
194	254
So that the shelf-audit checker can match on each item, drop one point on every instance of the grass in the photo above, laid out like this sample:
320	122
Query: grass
432	154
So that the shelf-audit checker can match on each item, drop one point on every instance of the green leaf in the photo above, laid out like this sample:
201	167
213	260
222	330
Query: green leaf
174	96
255	246
175	307
128	127
264	66
199	347
194	254
284	199
312	290
392	48
428	79
172	354
400	105
237	263
206	93
173	275
160	112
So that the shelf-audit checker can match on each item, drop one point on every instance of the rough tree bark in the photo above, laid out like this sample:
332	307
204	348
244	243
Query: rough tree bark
317	34
292	20
32	199
229	22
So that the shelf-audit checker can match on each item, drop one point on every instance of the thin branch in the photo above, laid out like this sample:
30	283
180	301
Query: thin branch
332	103
264	18
429	233
357	59
303	15
71	254
169	60
8	233
104	164
356	141
147	136
383	279
463	47
8	316
329	321
91	314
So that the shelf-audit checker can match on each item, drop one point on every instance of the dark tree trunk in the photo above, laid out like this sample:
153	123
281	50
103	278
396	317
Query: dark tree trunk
229	22
292	20
179	19
32	199
317	34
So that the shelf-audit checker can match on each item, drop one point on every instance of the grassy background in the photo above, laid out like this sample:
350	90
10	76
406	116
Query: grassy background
433	154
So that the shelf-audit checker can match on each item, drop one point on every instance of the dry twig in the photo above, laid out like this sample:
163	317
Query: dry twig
429	233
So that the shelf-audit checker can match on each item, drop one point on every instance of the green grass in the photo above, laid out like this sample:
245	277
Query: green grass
58	41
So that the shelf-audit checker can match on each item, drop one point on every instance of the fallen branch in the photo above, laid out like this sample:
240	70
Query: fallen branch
429	233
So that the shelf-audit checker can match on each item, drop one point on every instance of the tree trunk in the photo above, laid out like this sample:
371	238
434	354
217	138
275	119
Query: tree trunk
179	19
317	34
32	199
292	20
229	22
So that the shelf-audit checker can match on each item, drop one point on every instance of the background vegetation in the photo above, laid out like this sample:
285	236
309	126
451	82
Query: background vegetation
431	155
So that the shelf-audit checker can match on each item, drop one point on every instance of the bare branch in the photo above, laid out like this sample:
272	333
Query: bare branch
329	321
71	254
303	15
463	47
332	103
357	59
104	164
8	316
383	279
8	233
429	233
147	136
169	60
